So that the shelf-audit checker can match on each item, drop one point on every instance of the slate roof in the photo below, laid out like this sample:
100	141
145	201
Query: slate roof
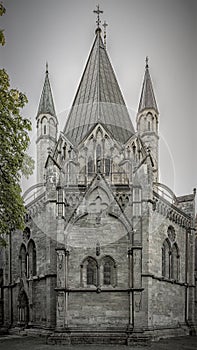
98	99
147	99
46	104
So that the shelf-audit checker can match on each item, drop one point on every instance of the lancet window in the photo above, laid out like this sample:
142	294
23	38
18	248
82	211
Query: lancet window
31	258
170	256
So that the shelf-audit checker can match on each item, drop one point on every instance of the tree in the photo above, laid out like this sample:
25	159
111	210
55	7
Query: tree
2	37
14	160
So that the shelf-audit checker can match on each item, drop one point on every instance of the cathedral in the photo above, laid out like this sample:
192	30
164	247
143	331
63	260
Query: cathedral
108	252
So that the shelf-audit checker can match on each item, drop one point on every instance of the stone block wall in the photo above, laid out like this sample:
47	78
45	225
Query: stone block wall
91	309
40	288
166	304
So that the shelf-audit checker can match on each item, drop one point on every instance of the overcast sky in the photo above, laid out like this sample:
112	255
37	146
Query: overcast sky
62	32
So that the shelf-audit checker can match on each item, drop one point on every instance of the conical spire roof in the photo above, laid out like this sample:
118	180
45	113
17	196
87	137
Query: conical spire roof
147	99
46	104
98	99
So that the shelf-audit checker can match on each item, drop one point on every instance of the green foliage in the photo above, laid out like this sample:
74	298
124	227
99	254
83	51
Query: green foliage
14	160
2	37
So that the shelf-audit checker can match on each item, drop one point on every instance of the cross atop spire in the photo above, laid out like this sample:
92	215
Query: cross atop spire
147	66
47	68
98	12
105	33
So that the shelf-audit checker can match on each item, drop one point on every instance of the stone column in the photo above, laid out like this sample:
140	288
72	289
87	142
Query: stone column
66	286
130	282
137	284
62	283
30	292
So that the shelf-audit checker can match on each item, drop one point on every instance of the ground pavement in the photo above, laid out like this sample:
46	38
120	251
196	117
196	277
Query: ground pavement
13	342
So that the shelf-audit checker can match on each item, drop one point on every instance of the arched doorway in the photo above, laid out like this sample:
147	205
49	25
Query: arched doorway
23	308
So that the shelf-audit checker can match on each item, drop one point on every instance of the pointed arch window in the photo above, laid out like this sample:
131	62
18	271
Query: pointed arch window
44	125
166	259
52	129
109	271
23	308
98	152
98	158
170	257
175	262
23	261
90	166
31	258
107	166
91	272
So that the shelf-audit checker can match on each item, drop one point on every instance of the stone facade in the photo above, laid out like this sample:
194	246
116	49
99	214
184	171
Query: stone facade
107	255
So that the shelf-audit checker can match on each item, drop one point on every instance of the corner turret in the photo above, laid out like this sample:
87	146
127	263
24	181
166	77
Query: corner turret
47	125
148	120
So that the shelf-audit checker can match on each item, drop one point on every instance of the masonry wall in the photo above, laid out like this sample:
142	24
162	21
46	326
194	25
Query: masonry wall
105	309
166	297
40	288
109	307
157	234
166	304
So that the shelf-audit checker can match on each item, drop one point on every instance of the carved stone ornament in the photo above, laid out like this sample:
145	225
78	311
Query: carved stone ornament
171	234
26	234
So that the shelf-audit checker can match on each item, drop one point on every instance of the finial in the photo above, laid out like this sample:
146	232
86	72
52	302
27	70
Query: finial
105	32
47	68
98	11
147	62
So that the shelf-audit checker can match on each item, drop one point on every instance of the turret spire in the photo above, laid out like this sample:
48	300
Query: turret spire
147	100
46	104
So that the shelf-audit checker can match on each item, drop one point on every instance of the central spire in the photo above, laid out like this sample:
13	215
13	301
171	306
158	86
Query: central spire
98	98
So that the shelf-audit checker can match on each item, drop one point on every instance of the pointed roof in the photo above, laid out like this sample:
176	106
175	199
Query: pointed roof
46	104
147	99
98	99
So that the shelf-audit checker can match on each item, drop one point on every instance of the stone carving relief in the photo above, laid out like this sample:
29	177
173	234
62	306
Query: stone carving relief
26	234
171	234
